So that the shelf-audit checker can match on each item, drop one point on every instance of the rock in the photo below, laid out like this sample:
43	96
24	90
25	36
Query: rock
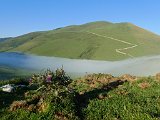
11	87
7	88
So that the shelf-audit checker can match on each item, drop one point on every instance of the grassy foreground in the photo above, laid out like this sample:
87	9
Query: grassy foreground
54	96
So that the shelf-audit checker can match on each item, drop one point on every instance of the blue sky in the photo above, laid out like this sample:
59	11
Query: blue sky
18	17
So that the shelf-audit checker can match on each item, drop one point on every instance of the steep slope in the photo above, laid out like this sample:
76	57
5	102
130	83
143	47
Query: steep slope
95	40
4	39
8	72
17	41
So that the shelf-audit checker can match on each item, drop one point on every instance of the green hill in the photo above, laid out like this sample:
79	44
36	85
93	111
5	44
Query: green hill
95	40
3	39
7	72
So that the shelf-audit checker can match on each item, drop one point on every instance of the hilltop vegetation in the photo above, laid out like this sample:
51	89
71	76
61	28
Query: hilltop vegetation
96	40
53	95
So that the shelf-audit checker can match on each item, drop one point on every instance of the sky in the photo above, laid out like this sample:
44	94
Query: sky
19	17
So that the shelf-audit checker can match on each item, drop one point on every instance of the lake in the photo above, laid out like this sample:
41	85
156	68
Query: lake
143	66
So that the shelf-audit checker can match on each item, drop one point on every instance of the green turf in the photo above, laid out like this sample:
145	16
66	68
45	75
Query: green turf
76	42
96	97
10	72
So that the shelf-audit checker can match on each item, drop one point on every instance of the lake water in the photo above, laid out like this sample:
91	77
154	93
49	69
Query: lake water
142	66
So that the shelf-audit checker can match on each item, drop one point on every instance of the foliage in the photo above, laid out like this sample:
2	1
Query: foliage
16	81
112	98
7	73
50	98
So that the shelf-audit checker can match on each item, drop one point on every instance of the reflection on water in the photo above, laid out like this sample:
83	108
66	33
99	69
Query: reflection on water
138	66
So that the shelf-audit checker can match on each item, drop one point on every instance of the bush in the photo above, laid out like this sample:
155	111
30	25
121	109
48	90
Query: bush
48	96
111	99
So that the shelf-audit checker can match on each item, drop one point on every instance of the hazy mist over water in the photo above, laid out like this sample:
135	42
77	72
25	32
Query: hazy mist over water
143	66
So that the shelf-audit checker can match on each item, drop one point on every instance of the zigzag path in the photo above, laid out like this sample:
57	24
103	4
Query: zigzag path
118	50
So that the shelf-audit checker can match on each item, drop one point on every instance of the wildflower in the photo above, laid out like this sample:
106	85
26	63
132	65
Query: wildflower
49	78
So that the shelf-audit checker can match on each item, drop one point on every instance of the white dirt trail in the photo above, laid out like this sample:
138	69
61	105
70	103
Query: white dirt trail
118	50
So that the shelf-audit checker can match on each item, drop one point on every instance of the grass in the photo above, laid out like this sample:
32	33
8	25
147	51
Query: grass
49	101
3	39
76	42
127	102
10	72
95	96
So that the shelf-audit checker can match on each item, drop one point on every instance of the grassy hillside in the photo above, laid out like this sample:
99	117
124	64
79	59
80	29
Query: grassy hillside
10	72
93	97
3	39
96	40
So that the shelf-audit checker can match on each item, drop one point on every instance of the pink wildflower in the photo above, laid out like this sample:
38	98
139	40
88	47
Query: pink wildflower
49	78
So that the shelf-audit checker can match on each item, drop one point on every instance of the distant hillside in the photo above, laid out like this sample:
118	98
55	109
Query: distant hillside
7	72
3	39
95	40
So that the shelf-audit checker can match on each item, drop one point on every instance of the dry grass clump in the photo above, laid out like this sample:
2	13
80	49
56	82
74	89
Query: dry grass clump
128	77
18	104
60	116
144	85
36	103
157	76
98	78
103	79
94	81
